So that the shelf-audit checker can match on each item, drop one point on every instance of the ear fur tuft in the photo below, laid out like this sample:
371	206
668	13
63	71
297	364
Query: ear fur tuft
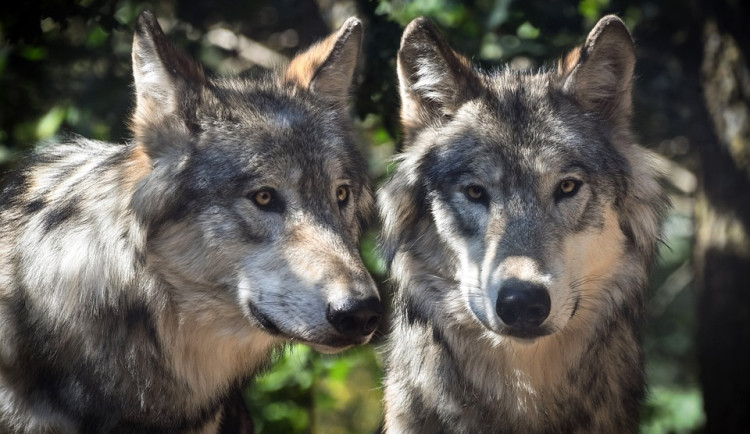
328	67
434	80
166	82
599	74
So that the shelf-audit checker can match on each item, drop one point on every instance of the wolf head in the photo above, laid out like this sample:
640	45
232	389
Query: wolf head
522	188
253	192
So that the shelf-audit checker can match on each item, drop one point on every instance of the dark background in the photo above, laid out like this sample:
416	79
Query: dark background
65	69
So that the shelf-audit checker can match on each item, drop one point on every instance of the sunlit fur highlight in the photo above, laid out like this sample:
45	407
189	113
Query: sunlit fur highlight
140	284
452	364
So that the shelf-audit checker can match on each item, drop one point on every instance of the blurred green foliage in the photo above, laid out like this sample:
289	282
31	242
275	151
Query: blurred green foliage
65	69
309	392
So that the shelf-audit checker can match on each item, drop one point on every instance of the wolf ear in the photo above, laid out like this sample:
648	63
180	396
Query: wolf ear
599	74
164	77
328	67
434	80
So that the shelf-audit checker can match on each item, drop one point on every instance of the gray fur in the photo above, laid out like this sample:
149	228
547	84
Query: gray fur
141	284
452	364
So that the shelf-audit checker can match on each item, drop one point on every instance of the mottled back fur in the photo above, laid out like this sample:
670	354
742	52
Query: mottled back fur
141	284
519	228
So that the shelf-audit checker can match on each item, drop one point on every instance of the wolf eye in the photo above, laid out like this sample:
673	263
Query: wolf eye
263	197
342	194
268	199
568	188
476	193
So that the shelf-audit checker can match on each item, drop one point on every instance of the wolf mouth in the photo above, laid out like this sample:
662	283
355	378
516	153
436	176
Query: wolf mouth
523	334
527	334
265	322
325	345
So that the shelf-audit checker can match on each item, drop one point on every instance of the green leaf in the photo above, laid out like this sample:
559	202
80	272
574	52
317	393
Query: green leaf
33	53
50	123
592	9
673	410
97	38
527	31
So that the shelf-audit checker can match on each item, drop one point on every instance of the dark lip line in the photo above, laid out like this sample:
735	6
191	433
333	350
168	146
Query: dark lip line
264	321
524	335
273	329
508	332
530	335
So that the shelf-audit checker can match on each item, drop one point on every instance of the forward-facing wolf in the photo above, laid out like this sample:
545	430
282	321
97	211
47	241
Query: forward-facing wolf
141	284
519	228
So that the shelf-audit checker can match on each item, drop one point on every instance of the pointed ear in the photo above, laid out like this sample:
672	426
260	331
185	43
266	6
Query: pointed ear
434	80
328	67
164	77
599	74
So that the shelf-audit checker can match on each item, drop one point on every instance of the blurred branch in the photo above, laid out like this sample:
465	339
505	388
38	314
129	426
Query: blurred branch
248	49
679	280
676	175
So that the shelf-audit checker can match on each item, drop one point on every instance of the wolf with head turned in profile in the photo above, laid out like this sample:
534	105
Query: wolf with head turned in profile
142	284
519	229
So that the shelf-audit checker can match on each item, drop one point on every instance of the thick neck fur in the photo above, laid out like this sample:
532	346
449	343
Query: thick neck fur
585	378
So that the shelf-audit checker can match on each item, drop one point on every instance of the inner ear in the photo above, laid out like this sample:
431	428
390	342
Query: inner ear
434	80
599	74
158	67
327	67
167	83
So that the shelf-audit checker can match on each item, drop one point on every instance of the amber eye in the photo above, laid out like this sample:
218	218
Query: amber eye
263	197
475	193
569	187
342	194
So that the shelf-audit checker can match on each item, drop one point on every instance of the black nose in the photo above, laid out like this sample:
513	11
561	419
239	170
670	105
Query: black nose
522	304
355	318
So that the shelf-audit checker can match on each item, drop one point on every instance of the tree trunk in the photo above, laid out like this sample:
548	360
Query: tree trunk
722	250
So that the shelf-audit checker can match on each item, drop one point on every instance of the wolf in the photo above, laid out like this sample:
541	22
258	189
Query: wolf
142	284
519	228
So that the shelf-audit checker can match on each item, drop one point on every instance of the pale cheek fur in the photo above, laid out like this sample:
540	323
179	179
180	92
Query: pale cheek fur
592	257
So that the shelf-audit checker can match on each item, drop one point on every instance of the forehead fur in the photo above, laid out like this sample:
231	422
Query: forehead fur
526	122
272	119
267	100
260	130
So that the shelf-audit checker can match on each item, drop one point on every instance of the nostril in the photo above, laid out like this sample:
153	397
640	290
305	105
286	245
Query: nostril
372	323
523	304
355	317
